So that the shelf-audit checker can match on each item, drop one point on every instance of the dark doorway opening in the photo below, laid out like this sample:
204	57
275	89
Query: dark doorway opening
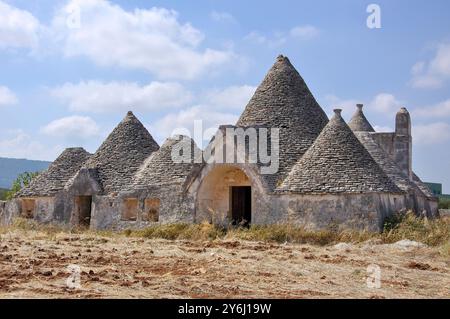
84	204
241	205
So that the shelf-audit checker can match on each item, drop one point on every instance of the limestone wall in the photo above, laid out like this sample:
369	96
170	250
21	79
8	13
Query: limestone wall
386	141
174	207
2	212
211	192
8	211
444	212
356	211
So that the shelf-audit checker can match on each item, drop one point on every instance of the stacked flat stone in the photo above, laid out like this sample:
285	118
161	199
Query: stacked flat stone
121	154
386	163
359	122
362	129
52	180
284	101
337	163
161	168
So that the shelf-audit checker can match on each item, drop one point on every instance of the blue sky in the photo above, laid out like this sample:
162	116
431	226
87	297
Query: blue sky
66	81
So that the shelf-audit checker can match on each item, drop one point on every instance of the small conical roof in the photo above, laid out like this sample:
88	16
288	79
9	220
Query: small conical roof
284	101
359	122
122	153
52	180
171	164
337	163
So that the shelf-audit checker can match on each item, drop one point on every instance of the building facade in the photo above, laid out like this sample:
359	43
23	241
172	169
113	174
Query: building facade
328	174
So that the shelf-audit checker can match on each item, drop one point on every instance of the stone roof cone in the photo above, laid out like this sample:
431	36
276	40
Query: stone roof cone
337	163
284	101
122	153
52	180
359	122
161	169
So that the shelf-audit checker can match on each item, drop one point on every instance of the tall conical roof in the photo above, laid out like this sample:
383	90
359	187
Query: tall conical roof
52	180
359	122
161	168
284	101
337	163
121	154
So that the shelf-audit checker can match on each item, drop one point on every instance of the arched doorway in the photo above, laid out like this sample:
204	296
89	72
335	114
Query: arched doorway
225	197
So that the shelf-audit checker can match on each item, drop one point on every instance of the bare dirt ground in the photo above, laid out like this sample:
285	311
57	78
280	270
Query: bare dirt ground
34	265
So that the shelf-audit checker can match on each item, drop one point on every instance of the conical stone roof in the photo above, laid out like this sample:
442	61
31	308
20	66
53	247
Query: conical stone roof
52	180
424	188
359	122
337	163
121	154
169	165
284	101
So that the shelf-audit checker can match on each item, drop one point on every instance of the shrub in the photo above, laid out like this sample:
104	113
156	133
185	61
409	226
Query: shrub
444	204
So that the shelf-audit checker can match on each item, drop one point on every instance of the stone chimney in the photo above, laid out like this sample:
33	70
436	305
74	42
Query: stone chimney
403	142
337	112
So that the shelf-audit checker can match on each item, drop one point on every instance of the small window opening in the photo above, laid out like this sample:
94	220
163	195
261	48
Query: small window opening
151	212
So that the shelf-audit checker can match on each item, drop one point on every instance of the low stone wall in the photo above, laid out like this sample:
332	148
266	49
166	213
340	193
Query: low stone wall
175	207
8	211
444	212
44	209
346	211
2	212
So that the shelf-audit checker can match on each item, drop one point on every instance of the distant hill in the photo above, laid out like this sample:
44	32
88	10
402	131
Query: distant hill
10	168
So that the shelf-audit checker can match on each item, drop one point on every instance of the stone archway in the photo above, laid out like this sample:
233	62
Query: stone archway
225	188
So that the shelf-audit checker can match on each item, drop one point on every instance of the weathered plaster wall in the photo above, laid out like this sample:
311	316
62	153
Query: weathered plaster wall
175	207
44	209
355	211
2	212
211	191
83	184
9	211
386	141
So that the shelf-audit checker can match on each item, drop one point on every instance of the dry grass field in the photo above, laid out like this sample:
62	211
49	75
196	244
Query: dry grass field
255	263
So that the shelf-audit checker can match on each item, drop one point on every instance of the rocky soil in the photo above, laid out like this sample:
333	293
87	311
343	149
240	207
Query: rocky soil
36	265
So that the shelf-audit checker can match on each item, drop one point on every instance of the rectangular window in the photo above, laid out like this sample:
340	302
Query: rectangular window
151	212
130	209
28	208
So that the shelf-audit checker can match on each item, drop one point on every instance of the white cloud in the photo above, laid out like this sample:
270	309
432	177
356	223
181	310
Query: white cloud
233	97
434	133
215	107
18	28
7	97
77	127
381	103
223	17
385	103
304	32
348	106
439	110
432	74
178	123
19	144
150	39
99	97
277	39
379	128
